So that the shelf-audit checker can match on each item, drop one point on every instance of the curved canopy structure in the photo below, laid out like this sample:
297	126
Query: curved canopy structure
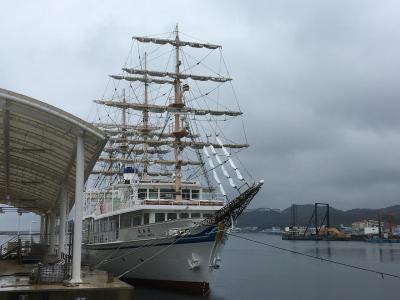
38	152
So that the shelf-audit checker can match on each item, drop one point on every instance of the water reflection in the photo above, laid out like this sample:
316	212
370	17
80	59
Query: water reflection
389	254
255	272
325	252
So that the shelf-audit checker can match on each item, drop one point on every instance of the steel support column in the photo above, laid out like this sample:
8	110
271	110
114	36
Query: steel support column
79	185
47	228
52	232
62	213
42	228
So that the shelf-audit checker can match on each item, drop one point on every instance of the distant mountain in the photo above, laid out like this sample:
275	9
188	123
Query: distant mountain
263	218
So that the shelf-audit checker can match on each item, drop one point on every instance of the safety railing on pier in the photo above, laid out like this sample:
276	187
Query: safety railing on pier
18	246
52	266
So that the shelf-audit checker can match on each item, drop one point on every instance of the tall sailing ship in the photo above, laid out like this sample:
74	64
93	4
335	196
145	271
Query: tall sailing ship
156	211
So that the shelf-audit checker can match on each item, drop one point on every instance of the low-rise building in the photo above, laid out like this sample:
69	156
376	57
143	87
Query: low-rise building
371	230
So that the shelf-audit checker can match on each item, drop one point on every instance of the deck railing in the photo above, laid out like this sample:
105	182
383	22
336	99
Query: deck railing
99	203
108	206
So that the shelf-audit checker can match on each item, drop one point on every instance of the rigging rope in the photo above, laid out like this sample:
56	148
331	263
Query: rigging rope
134	93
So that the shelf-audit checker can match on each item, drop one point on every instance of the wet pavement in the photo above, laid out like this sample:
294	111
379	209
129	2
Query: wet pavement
14	281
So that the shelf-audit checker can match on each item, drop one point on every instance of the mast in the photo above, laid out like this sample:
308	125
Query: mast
145	121
177	130
124	135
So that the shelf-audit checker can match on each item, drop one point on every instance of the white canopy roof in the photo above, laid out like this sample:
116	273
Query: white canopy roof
38	149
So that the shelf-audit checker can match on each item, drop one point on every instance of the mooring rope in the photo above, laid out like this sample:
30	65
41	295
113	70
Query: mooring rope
343	264
109	258
150	258
382	274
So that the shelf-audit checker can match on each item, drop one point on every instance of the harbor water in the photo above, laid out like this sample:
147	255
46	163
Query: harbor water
253	271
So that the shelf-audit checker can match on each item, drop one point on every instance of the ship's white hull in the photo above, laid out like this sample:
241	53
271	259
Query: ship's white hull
184	263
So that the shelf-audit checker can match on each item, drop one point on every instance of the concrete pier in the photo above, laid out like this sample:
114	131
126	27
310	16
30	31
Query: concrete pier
96	285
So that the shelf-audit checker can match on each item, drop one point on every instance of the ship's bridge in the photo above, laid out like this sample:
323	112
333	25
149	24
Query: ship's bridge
47	154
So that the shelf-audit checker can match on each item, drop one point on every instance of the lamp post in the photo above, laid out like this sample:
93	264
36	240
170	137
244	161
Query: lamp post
19	224
30	231
30	227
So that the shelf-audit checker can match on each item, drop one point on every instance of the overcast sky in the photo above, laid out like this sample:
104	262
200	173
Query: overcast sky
317	80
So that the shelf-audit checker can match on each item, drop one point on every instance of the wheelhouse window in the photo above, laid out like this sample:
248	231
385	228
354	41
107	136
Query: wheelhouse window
111	225
172	216
186	194
195	215
167	193
183	216
160	217
206	215
137	220
146	218
153	193
142	193
195	194
103	224
125	220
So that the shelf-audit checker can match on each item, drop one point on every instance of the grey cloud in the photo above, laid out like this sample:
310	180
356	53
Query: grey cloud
317	80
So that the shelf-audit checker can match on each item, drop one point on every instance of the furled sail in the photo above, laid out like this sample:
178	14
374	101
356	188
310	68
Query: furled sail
156	161
106	172
136	151
114	132
116	136
167	108
112	173
170	143
160	173
178	43
145	80
151	142
120	126
199	145
173	144
175	75
131	131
